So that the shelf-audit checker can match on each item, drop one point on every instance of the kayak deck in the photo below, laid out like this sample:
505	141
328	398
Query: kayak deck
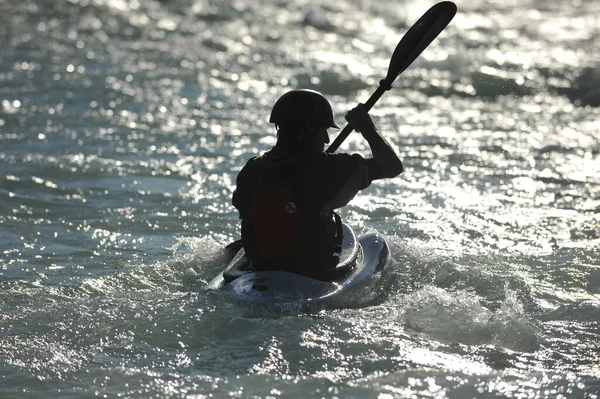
354	286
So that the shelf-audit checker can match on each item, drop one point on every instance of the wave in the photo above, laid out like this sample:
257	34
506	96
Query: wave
460	317
583	311
583	89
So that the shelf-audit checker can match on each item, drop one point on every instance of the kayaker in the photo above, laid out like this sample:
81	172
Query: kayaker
286	197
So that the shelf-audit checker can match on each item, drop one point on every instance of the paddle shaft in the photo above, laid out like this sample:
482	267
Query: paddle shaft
348	128
412	44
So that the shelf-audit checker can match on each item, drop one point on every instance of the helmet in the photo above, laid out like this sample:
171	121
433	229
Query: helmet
303	105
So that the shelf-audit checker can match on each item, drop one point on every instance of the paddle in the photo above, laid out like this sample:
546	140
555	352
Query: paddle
412	44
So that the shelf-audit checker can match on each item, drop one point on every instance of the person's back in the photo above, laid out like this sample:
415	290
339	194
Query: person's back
285	224
287	196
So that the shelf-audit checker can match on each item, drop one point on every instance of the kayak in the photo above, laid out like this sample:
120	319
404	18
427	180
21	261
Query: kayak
353	283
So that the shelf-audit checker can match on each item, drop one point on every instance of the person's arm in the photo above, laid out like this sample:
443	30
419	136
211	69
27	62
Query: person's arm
383	153
244	188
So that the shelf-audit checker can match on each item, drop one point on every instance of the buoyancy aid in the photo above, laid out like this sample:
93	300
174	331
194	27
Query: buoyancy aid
281	229
274	215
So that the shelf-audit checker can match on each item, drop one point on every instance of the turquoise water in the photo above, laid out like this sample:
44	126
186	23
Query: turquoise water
124	123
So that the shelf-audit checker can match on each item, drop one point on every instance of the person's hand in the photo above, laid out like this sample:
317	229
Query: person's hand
389	162
360	120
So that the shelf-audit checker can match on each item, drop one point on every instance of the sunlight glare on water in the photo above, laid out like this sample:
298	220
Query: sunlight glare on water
123	125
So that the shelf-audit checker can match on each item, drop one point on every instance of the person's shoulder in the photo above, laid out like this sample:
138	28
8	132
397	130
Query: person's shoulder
339	164
356	162
258	159
344	158
252	167
255	160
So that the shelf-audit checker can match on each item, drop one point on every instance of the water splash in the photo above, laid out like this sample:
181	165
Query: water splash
460	317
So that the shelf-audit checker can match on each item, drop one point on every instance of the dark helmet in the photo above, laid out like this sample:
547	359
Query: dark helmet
303	105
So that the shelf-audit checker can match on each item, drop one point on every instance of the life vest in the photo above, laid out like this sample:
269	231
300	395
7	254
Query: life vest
273	214
280	230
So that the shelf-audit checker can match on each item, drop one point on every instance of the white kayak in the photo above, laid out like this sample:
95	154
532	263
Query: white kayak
354	282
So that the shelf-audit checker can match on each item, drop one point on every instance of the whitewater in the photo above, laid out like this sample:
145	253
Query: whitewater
124	123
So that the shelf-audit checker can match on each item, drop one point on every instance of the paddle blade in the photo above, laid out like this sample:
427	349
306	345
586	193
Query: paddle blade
418	37
412	44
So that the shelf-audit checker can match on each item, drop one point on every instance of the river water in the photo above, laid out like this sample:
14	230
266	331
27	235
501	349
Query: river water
123	124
